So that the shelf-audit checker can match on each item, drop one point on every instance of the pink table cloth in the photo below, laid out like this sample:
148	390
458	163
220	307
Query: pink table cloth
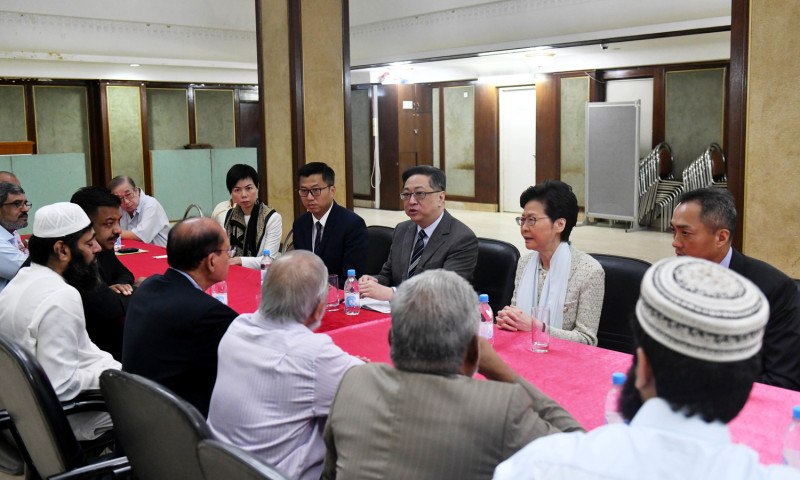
578	377
244	286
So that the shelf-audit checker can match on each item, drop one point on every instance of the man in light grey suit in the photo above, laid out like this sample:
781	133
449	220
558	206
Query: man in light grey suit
431	239
426	418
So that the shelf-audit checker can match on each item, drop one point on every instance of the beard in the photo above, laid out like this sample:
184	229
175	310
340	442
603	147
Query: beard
84	277
630	401
11	226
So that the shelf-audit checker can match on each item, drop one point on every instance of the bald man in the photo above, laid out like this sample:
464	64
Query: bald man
173	327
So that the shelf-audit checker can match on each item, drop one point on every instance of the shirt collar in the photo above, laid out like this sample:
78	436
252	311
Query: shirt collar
324	218
188	277
657	414
6	236
430	228
726	262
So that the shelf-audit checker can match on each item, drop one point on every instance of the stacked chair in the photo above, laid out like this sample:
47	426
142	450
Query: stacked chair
658	188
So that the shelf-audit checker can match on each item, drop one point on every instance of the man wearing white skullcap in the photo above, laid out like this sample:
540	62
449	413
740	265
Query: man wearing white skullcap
698	333
41	308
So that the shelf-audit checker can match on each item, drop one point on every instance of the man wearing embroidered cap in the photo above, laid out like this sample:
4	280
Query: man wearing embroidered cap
41	307
698	332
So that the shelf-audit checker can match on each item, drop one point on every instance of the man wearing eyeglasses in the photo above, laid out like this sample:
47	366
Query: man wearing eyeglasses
431	239
335	234
143	218
13	217
173	327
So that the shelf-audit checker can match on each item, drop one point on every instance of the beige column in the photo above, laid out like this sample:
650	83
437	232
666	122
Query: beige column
302	82
772	170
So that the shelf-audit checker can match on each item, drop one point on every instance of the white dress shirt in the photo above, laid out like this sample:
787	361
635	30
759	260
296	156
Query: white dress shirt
659	444
270	241
275	385
11	257
149	221
322	221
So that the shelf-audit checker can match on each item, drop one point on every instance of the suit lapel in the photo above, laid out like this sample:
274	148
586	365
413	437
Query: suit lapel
438	239
407	245
329	225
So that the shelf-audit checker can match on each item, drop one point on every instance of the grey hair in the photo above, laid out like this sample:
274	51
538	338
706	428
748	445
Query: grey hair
8	188
295	284
434	318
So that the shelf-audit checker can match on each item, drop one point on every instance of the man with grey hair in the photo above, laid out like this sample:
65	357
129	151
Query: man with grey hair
143	218
14	208
698	332
276	378
425	418
703	224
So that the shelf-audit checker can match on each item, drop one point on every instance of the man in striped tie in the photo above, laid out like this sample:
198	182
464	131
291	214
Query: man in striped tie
431	239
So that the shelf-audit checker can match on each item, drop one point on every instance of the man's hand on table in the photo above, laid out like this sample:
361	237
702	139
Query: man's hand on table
491	366
369	287
121	288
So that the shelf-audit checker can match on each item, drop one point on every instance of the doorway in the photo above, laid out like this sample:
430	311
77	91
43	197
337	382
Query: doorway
517	144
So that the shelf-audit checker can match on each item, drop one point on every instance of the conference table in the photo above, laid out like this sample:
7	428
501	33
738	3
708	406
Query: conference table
244	285
577	376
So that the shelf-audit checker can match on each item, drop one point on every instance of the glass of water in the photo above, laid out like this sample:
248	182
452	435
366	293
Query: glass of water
540	329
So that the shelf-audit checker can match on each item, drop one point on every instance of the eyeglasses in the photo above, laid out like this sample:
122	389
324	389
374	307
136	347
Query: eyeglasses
406	196
303	192
530	221
231	251
19	204
127	196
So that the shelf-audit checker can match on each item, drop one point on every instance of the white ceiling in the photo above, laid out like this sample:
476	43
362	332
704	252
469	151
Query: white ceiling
214	41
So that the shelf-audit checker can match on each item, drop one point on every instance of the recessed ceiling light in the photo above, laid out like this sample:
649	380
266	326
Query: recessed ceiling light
135	65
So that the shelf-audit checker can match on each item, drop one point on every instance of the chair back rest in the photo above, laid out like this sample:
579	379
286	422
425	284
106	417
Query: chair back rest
221	461
380	242
623	280
288	242
36	412
495	271
665	160
158	431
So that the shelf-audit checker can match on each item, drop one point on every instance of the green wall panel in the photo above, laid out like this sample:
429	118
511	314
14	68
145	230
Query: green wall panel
222	159
167	118
125	132
694	117
62	121
5	163
49	178
214	118
362	135
574	95
180	178
459	140
12	114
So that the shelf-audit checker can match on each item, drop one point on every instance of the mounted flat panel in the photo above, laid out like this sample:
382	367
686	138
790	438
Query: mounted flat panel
574	95
125	132
49	178
12	114
214	117
62	121
612	160
180	178
167	118
222	159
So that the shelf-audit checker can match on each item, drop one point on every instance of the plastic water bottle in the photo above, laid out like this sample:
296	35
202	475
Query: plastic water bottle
613	414
118	244
266	261
352	299
487	318
220	291
791	441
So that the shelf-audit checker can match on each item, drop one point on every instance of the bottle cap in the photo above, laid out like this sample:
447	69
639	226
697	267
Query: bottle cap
266	252
796	412
483	297
618	378
351	273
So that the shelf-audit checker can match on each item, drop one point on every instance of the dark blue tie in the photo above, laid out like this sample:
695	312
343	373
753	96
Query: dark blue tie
417	253
318	238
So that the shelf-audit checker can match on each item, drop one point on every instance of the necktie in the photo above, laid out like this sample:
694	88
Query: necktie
417	253
318	238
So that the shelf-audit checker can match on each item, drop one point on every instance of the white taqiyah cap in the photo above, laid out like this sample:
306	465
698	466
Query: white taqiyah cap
59	219
702	310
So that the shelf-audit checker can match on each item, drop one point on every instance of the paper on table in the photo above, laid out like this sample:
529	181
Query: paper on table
381	306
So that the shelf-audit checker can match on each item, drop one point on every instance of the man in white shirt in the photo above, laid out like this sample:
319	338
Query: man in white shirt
14	209
699	332
143	218
41	307
276	379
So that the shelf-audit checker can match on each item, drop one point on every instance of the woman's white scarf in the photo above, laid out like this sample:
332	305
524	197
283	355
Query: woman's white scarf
554	290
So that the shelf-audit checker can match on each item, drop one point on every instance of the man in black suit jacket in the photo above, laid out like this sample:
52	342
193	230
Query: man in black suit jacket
342	234
431	239
702	226
173	327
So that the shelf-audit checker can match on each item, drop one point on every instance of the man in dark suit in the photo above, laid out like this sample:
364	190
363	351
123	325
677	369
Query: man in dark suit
105	306
424	417
431	239
335	234
173	327
703	224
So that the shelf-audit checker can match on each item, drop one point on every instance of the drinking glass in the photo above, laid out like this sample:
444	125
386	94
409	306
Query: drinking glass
332	302
540	329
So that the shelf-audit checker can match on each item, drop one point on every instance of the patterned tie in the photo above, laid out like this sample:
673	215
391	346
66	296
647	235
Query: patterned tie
417	253
318	238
